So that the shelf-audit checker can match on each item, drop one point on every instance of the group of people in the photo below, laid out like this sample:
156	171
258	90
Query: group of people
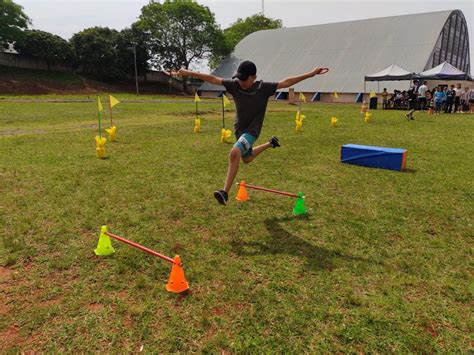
454	99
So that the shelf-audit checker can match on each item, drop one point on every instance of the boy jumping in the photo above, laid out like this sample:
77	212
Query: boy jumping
251	98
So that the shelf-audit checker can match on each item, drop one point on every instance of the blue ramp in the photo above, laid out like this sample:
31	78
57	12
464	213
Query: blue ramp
374	157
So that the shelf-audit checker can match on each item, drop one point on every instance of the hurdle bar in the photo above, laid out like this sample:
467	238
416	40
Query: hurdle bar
141	247
269	190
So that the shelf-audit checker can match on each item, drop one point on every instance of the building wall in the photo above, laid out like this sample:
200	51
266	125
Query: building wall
26	62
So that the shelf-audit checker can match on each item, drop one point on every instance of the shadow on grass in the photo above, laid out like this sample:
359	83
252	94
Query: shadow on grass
280	241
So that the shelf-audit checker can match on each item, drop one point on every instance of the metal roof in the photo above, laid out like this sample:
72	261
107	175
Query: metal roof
350	49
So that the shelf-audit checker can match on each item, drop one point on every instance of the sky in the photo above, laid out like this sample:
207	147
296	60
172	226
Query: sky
66	17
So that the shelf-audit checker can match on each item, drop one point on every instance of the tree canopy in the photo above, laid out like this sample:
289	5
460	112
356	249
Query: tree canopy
47	46
238	31
12	21
180	32
243	27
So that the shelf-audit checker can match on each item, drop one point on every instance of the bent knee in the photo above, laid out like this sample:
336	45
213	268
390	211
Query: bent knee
234	154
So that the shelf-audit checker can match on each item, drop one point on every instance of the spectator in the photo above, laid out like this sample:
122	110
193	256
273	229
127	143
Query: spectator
457	98
397	101
465	100
430	99
412	100
439	97
384	98
450	95
422	96
445	96
471	102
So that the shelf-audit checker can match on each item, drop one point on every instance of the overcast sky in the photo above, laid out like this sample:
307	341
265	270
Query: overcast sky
66	17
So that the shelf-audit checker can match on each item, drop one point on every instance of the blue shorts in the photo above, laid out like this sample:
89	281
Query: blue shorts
245	143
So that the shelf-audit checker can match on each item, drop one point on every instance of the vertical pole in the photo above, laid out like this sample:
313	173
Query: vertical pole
110	105
98	116
136	71
195	101
223	119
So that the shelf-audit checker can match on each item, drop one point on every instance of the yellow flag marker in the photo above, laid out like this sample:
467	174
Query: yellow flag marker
100	108
336	96
333	121
299	121
302	97
367	117
225	135
113	101
226	100
196	98
100	147
197	125
112	131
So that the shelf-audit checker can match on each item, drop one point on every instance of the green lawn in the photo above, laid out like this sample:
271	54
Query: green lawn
382	263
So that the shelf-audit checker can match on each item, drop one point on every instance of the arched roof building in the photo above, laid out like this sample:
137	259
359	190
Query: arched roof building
353	49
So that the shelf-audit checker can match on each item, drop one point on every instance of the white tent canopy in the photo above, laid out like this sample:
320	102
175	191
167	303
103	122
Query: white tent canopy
392	72
444	71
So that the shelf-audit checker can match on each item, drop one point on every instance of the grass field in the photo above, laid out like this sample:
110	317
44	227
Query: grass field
382	263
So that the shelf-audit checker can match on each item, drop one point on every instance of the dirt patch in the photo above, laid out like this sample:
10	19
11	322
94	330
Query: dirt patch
8	336
52	302
4	309
122	294
95	307
5	273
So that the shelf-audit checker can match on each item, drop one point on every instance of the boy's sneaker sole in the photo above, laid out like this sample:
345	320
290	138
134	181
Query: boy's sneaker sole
221	197
274	142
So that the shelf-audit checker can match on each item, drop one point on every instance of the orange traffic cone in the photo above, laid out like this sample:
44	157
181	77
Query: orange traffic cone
177	282
242	194
430	111
363	108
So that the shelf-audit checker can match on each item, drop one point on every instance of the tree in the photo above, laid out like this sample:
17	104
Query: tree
243	27
97	53
46	46
238	31
127	39
12	21
180	32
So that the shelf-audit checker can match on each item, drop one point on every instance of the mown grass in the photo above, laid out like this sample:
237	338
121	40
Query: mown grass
382	263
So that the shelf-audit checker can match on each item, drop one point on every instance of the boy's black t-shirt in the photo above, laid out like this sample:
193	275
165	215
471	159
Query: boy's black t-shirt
451	94
251	104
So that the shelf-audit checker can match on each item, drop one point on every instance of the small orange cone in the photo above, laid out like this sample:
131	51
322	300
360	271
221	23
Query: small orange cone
242	194
430	111
177	282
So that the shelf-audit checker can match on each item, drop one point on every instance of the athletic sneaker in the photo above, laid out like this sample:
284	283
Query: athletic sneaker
274	142
221	197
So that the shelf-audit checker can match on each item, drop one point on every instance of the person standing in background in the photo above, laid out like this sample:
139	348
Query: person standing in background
384	98
457	98
450	95
439	97
422	96
465	100
412	100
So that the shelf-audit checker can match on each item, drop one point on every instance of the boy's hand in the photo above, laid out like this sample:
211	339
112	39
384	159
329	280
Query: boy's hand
318	71
184	72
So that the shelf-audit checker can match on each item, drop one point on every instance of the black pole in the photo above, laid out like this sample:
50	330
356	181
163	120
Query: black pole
136	71
223	121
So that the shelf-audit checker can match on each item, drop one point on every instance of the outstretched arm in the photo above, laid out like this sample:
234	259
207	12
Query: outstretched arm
205	77
292	80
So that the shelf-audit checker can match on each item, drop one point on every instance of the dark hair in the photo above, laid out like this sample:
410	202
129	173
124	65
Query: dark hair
245	69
